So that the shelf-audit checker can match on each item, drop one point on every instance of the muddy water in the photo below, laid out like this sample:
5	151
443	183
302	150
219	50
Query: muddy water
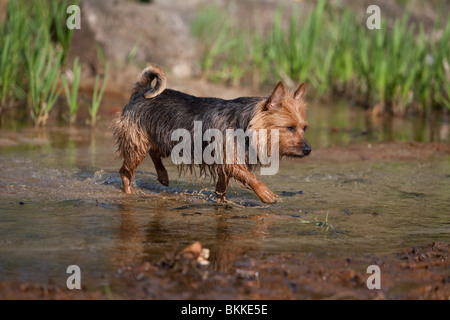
61	202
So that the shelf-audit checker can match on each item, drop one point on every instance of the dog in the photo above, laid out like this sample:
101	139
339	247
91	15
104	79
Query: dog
153	113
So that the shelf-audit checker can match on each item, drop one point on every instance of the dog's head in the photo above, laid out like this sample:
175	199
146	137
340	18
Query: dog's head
285	111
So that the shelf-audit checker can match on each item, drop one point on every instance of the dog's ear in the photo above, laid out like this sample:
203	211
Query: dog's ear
298	95
274	102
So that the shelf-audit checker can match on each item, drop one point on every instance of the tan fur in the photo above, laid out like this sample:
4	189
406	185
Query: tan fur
291	111
150	73
153	112
132	141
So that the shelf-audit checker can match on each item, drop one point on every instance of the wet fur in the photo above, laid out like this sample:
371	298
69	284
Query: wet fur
154	112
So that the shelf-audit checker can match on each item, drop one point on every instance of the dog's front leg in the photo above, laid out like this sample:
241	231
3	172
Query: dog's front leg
161	171
246	177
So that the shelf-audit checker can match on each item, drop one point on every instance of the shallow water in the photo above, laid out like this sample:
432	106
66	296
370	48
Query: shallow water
61	202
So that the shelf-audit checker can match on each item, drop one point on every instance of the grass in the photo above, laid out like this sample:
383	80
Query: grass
72	92
34	44
43	75
31	57
97	96
321	224
132	55
395	69
8	75
13	34
58	27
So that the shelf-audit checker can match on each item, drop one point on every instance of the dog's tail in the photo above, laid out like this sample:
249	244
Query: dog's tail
144	85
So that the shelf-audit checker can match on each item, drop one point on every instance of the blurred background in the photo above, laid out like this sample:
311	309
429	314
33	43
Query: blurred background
229	49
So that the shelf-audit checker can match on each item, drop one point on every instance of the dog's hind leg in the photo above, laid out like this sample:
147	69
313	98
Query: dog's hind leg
161	171
222	183
127	172
133	155
133	145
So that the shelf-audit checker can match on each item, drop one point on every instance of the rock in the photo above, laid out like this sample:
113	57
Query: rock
158	34
197	252
194	250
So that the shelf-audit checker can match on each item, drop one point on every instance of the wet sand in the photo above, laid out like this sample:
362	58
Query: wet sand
66	174
414	273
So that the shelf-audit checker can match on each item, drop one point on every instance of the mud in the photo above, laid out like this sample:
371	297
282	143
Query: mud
345	207
415	273
363	197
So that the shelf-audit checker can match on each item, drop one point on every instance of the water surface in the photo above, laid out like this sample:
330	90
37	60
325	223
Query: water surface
61	202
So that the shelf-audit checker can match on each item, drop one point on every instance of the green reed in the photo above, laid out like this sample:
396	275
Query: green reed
34	41
58	27
13	34
394	69
8	74
216	38
72	92
43	59
97	96
441	68
43	72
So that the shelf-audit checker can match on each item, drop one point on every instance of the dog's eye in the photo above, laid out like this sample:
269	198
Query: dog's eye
291	128
305	128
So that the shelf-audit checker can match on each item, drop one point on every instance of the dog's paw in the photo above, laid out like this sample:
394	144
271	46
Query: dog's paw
128	189
268	197
220	197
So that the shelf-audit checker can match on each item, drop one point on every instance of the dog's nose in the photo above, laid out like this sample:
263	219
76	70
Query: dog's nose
306	150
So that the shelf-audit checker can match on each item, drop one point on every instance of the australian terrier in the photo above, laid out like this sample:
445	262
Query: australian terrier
147	123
